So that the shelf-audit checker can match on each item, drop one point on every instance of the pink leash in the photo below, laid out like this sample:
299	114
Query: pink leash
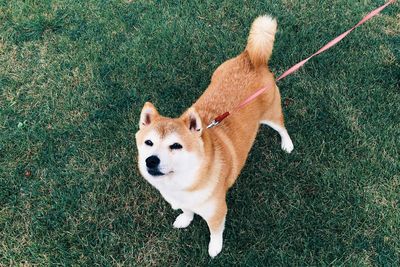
294	68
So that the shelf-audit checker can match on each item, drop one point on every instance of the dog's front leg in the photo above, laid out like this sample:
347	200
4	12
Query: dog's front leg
184	219
214	214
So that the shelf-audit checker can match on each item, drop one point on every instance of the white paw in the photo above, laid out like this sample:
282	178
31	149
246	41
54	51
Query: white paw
215	247
183	221
287	145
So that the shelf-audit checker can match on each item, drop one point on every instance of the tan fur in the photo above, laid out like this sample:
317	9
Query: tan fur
224	149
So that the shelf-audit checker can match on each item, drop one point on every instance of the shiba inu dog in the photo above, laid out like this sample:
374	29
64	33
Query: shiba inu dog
193	167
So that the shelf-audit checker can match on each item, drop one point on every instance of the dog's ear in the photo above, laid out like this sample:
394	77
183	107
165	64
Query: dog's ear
193	121
148	115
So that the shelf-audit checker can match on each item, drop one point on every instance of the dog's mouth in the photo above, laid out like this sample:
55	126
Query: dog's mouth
157	172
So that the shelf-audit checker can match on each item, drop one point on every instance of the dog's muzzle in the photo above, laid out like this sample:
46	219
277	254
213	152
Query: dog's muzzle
152	164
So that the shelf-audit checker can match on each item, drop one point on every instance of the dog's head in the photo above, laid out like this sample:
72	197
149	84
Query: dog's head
169	149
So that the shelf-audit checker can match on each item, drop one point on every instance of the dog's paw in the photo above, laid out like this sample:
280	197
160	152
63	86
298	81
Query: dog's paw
215	247
183	220
287	145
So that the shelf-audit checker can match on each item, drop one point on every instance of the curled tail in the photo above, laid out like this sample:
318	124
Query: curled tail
261	40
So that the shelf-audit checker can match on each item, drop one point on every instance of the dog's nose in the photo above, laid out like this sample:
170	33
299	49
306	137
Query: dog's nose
152	162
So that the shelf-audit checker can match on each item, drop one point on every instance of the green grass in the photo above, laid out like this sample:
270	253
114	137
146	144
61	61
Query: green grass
75	74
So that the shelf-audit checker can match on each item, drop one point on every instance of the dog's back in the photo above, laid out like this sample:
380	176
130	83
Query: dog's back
232	82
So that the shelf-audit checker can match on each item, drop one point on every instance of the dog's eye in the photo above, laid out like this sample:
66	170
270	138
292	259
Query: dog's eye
148	142
175	146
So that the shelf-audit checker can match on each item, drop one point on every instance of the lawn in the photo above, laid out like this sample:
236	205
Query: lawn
75	74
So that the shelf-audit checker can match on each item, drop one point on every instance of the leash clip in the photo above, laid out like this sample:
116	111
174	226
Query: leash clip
218	119
212	124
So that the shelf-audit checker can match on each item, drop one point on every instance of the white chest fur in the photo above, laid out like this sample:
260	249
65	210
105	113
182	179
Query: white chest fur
182	199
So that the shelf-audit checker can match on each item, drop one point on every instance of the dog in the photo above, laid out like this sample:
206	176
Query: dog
192	166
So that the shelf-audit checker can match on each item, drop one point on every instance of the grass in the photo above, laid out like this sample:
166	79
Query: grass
75	74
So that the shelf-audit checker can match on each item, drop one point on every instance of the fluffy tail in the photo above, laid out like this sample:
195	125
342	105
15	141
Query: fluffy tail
261	40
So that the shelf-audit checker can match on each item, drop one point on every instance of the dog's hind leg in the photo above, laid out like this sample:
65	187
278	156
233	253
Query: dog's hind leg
273	117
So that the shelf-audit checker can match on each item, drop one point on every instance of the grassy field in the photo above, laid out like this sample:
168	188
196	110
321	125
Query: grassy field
75	74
